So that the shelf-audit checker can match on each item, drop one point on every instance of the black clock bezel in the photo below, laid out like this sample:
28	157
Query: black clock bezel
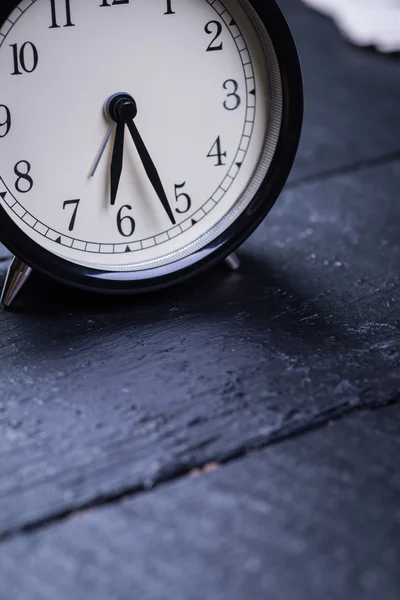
87	278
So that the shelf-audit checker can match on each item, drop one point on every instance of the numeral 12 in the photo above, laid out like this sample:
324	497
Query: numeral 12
114	3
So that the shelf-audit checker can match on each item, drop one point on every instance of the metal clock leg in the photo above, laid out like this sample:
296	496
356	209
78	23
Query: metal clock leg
17	276
233	262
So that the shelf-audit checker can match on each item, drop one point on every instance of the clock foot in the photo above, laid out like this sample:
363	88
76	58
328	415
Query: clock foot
233	262
18	274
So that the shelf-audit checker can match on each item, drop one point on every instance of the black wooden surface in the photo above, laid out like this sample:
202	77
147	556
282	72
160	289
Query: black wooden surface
315	517
103	399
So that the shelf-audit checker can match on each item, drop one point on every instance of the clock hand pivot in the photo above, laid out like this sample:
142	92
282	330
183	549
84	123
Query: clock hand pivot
121	108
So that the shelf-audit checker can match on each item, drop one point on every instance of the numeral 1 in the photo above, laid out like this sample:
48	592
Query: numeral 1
54	24
169	8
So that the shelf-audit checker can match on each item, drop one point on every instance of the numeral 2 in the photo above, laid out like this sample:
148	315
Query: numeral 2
214	27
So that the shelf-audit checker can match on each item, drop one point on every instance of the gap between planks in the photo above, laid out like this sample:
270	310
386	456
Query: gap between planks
277	436
345	170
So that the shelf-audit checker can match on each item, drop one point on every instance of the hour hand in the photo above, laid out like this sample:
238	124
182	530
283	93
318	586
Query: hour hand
117	161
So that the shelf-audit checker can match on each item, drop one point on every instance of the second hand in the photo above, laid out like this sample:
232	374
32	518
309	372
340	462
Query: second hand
103	149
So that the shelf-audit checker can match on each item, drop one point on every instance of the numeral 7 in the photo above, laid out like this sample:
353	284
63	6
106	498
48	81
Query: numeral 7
75	212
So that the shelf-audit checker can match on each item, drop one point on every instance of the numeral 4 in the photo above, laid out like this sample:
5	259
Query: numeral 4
216	152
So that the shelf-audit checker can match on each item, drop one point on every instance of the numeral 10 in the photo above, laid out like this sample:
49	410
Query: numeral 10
22	60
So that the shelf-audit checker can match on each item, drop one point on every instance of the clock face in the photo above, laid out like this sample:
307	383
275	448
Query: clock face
128	185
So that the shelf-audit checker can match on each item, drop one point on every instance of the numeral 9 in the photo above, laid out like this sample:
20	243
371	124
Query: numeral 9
5	125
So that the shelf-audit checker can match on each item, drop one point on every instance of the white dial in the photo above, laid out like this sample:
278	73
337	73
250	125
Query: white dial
205	83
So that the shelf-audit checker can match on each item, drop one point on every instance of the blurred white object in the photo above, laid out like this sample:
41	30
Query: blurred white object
365	22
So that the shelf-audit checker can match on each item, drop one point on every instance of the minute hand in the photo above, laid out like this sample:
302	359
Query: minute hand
150	169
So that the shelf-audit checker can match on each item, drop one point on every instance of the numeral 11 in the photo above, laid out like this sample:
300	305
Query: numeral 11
54	23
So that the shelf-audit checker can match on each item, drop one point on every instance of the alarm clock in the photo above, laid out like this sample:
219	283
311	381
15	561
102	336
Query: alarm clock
141	141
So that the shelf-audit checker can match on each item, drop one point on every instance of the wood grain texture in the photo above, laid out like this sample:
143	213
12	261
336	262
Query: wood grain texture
352	97
315	517
104	396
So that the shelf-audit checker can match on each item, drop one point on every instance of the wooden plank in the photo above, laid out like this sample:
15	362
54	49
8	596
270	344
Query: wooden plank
352	97
102	396
315	517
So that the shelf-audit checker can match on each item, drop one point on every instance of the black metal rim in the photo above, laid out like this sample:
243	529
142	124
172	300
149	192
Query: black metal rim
140	281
